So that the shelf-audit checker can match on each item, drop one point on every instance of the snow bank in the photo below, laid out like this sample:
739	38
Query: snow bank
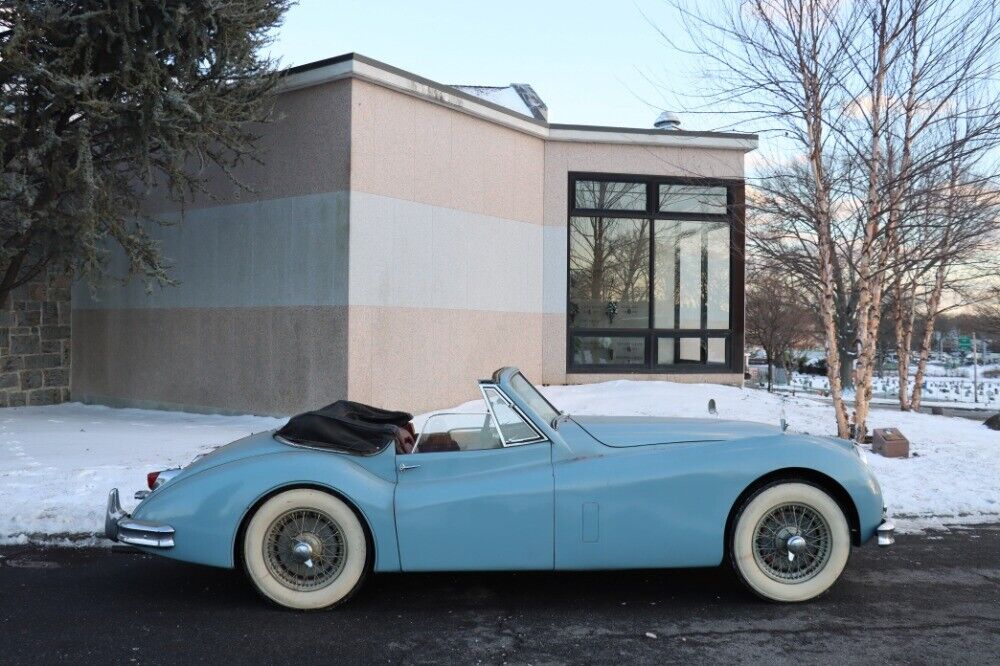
58	463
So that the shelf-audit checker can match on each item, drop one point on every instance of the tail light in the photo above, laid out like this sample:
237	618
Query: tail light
156	479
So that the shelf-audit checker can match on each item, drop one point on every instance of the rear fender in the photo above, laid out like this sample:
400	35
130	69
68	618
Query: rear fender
207	508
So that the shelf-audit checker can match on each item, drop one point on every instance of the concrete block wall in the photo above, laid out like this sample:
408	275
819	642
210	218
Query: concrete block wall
35	339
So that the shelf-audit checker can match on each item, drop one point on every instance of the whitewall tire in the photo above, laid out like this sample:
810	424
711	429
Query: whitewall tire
790	542
305	549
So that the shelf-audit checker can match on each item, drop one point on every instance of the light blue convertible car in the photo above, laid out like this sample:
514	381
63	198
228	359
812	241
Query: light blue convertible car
309	510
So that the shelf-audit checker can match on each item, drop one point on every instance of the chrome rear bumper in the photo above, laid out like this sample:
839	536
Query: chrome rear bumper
119	526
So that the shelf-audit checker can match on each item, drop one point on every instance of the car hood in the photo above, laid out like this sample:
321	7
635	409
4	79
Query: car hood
625	431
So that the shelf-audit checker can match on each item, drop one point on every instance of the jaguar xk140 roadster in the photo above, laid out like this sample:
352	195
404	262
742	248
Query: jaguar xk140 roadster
309	510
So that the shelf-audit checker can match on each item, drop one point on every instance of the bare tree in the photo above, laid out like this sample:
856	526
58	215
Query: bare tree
782	61
930	111
776	319
964	238
862	94
988	310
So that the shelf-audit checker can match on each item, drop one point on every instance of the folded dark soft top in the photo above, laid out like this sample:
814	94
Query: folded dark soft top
347	426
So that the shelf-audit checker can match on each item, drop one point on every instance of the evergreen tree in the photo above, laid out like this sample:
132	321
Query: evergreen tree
102	100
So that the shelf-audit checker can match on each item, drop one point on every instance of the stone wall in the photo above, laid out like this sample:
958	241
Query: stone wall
35	343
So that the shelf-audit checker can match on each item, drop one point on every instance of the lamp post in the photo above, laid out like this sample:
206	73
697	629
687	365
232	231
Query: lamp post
975	369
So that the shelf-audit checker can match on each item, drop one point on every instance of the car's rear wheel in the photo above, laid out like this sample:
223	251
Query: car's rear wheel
790	542
305	549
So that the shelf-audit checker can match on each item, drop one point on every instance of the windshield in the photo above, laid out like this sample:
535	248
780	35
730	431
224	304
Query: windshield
527	392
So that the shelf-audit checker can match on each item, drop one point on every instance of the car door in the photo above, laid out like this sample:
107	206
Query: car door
478	509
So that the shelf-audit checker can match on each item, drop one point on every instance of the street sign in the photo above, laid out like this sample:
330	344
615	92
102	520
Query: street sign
964	343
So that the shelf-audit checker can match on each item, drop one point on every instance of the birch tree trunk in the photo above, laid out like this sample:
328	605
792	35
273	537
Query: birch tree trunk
903	321
933	303
828	313
869	291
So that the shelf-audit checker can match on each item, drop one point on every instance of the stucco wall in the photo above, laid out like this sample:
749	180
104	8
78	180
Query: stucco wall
564	157
304	149
445	251
411	149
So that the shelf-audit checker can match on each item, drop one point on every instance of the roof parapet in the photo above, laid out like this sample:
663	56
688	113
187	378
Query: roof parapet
354	65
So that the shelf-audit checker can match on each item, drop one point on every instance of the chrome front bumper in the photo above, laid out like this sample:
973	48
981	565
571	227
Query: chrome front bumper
886	531
119	526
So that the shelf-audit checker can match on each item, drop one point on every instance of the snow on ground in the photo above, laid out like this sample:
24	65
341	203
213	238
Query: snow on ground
938	390
58	463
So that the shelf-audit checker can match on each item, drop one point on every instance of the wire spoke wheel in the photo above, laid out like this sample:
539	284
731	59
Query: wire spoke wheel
305	549
792	543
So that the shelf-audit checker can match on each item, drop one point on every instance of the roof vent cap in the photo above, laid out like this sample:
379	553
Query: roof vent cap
668	120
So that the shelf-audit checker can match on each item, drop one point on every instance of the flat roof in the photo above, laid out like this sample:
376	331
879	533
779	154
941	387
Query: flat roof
355	65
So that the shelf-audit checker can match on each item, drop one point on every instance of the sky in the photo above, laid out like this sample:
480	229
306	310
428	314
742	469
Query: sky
599	63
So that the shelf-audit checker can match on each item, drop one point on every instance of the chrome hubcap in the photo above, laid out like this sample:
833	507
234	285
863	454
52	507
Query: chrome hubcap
795	545
305	549
792	543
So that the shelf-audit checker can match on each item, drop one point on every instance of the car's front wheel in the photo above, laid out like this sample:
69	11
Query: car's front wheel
305	549
790	541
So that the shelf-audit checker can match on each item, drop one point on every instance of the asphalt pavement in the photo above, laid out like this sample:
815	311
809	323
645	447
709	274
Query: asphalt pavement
932	598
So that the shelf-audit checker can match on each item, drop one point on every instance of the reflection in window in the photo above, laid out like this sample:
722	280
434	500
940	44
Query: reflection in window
716	350
665	351
692	199
595	350
610	195
688	241
665	273
609	273
717	286
690	350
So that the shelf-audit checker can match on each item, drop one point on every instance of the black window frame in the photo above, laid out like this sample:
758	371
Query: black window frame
735	217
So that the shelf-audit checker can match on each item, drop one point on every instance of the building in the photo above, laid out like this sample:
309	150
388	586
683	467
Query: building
407	237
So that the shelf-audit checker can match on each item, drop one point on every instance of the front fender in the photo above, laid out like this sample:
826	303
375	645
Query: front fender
678	497
206	508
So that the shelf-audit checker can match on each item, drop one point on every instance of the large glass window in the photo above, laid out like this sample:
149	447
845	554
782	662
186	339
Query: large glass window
649	274
717	257
692	199
606	350
610	195
609	272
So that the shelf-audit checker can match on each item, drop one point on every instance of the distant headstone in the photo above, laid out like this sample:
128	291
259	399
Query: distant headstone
993	423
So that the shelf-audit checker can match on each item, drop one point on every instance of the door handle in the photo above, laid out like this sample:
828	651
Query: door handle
403	467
